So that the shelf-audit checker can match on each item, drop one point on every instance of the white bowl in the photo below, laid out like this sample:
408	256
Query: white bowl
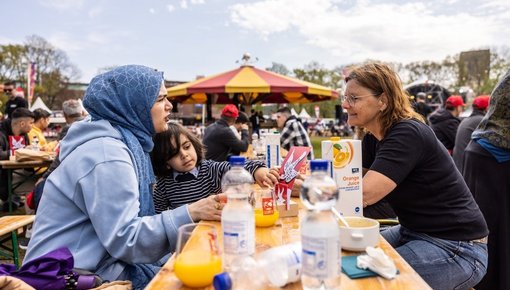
363	232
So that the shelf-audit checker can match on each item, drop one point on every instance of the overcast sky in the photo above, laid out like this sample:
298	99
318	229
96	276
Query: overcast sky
186	38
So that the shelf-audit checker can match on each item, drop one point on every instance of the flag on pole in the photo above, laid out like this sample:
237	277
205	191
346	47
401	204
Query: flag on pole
32	75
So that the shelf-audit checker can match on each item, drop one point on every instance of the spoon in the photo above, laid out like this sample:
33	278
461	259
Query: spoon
340	217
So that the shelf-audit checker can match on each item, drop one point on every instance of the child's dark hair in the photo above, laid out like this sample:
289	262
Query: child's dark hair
164	150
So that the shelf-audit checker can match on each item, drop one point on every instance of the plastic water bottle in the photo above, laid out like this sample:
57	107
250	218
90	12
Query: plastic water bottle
35	145
237	217
275	267
320	234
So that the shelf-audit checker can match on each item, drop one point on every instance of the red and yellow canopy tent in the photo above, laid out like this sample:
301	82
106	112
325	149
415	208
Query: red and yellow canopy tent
248	85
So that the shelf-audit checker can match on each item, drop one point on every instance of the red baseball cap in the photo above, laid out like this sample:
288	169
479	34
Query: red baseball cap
481	102
455	101
230	111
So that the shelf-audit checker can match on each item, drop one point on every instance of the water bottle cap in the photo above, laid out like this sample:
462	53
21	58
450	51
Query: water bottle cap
222	281
237	160
319	165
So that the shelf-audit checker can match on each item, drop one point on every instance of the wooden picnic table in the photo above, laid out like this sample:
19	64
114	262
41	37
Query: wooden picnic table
287	231
11	165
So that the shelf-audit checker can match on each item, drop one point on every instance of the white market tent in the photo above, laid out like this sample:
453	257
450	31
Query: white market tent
304	114
293	112
39	104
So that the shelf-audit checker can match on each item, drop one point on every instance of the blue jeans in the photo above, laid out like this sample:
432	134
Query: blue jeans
443	264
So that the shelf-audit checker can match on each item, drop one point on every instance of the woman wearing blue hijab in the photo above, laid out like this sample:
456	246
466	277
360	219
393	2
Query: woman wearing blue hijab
98	201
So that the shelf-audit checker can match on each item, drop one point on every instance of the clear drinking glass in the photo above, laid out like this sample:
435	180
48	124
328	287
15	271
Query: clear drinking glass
266	211
198	256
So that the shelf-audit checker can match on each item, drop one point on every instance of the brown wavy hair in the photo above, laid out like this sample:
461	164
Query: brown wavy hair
164	150
381	79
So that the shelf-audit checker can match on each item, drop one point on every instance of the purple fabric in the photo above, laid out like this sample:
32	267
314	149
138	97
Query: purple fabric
45	272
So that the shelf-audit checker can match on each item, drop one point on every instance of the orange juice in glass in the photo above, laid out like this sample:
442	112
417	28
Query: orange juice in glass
198	258
266	212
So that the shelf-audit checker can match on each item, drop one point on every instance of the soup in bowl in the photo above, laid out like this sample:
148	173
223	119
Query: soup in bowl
361	233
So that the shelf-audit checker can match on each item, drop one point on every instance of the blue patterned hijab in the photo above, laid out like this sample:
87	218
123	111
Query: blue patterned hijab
124	96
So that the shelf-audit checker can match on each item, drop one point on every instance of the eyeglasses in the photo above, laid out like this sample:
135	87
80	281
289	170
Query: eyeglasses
7	90
351	99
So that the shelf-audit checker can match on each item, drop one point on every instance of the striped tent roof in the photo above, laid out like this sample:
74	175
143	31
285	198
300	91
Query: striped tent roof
249	85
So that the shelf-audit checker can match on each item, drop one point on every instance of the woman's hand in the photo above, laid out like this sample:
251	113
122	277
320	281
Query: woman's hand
208	208
267	177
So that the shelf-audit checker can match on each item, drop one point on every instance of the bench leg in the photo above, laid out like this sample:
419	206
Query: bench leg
15	253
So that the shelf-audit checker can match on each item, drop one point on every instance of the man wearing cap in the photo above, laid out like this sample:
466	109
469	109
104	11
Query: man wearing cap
466	127
220	141
445	121
14	101
240	124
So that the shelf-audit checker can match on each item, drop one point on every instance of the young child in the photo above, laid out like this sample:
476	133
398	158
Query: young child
184	176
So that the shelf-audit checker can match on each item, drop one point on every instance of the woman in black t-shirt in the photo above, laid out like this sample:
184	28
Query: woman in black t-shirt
442	233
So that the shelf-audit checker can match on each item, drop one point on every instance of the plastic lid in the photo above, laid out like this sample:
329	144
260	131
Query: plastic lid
222	281
319	165
237	160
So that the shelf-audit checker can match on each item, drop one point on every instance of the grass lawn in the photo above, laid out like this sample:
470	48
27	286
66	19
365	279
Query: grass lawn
316	143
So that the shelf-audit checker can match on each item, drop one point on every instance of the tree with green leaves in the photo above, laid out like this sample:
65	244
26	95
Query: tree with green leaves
54	70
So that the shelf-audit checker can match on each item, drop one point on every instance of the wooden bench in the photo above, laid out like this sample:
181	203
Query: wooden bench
9	226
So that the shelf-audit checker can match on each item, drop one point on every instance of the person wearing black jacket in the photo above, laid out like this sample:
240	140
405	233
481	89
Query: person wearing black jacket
466	128
14	101
421	107
444	122
220	141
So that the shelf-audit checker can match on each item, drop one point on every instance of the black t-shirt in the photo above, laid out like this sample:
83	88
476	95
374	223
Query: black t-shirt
11	105
431	196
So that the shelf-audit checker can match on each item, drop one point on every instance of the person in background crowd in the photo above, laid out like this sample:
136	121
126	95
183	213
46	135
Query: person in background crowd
442	232
466	127
240	124
487	173
18	126
184	176
421	107
292	131
219	140
41	122
98	202
73	111
14	101
255	122
445	121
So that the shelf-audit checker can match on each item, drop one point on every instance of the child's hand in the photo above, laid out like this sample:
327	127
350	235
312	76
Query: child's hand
266	177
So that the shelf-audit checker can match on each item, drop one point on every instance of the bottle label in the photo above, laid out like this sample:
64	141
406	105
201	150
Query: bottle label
238	237
321	257
294	263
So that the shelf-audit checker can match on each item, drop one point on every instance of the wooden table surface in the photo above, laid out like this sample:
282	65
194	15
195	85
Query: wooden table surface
287	231
13	222
12	164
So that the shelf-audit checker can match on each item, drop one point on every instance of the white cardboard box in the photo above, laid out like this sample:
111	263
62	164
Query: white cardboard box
273	157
